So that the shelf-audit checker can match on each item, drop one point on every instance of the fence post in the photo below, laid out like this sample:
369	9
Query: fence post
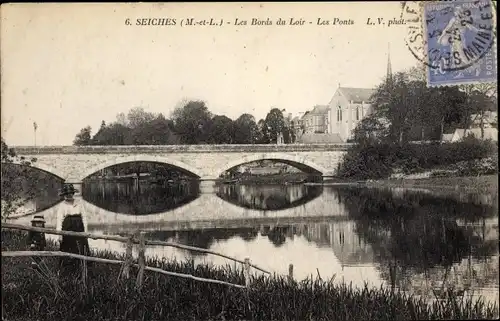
36	240
128	258
246	272
142	260
290	272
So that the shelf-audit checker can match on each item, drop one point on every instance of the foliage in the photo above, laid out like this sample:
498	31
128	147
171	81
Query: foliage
190	123
246	130
414	111
405	110
274	124
221	130
139	127
379	160
105	297
18	183
84	137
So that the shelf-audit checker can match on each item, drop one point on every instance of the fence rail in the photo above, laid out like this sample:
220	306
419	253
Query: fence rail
128	261
101	260
123	239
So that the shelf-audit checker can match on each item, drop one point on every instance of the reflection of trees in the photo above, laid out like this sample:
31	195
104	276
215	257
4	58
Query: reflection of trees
278	235
35	184
275	197
416	233
140	198
204	238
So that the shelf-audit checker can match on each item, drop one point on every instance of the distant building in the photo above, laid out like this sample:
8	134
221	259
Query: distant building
315	138
488	133
347	108
297	126
490	119
316	120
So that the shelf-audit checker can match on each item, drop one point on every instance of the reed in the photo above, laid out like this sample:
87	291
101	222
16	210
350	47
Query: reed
42	294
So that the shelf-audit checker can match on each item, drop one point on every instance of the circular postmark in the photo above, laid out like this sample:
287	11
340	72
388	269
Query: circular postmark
449	35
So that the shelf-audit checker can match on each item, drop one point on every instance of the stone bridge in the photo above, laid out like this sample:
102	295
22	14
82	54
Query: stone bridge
206	162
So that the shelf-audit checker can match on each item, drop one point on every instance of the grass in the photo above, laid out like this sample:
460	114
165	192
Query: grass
42	295
480	184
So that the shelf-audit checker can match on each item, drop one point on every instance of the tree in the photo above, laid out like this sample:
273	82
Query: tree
18	186
371	130
138	116
192	122
83	137
122	119
222	130
399	104
274	124
406	104
480	100
246	130
263	132
155	132
113	134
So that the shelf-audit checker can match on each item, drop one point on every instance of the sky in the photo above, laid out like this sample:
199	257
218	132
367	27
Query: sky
66	66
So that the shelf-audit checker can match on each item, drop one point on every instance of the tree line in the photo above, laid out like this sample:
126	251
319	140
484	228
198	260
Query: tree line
406	109
190	123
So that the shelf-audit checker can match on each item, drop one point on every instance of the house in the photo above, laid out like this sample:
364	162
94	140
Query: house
489	119
489	133
347	108
316	120
318	138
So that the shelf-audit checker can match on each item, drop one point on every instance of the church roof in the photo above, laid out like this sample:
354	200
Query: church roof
357	95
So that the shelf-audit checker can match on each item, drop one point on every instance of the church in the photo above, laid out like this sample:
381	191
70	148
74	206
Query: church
349	106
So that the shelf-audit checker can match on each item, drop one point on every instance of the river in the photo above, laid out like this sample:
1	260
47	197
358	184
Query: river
352	234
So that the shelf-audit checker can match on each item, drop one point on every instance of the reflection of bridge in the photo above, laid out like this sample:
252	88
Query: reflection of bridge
272	197
207	211
207	162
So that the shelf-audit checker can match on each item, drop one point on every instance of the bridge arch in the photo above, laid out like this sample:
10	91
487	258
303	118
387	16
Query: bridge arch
41	167
299	162
138	158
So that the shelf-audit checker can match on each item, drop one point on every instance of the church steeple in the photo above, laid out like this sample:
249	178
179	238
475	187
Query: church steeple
389	66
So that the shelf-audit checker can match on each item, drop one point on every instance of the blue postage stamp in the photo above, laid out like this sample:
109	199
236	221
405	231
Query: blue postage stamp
460	38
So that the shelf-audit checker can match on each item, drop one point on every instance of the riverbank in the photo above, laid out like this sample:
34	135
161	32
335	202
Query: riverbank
481	184
272	179
477	184
31	295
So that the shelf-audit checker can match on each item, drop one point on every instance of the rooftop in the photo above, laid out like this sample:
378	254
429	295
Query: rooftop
357	95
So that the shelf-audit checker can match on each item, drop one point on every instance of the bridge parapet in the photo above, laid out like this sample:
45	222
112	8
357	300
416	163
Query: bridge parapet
75	163
154	149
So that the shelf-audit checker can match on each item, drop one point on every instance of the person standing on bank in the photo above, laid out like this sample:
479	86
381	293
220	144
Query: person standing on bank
70	218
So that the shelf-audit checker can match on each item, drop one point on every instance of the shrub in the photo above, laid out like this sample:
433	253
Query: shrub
379	160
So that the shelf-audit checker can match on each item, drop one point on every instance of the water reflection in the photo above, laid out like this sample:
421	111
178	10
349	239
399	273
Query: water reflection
37	188
272	197
140	197
416	241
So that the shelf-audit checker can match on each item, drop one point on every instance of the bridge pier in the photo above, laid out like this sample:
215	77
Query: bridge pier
207	186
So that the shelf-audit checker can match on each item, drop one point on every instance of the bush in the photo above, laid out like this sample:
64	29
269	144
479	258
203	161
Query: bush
380	160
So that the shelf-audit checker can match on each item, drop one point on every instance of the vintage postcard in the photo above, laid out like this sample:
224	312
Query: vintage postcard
249	161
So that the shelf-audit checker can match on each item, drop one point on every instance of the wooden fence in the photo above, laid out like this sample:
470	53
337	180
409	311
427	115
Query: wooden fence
128	262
